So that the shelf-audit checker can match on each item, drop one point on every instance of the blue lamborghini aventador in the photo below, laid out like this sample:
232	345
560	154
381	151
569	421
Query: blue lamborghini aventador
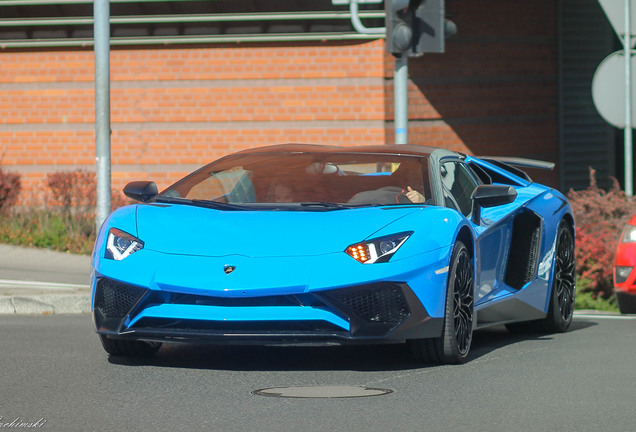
299	243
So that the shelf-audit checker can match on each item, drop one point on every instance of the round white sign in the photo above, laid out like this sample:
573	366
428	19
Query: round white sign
608	89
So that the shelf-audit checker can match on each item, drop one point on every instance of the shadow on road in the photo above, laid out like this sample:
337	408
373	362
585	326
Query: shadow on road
491	339
279	358
317	358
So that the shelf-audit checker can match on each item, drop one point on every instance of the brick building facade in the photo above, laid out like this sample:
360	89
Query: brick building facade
174	109
496	91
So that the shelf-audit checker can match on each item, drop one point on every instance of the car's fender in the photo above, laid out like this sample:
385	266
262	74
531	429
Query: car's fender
433	228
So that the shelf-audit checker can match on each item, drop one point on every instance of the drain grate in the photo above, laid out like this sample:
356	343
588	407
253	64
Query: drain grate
322	392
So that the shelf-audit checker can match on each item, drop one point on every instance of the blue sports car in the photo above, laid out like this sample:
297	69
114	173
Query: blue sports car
296	243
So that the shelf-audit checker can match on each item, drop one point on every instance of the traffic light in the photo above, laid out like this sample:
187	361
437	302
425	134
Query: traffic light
431	28
415	27
400	15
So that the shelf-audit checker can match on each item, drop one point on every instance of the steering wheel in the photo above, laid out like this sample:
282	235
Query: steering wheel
400	194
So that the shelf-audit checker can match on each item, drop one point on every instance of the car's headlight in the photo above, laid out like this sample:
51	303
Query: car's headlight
622	273
120	244
629	234
377	250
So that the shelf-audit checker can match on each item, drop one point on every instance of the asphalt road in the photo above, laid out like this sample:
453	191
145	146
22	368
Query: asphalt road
53	370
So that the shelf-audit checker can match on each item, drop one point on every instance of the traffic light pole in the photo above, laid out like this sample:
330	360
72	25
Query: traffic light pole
102	108
628	101
413	28
400	94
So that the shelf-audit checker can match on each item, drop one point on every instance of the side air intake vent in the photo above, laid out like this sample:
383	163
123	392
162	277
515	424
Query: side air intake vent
524	251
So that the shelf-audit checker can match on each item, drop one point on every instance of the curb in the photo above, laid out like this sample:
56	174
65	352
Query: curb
595	312
45	304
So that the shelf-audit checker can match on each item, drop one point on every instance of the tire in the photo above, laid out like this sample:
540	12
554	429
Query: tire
626	303
129	348
453	345
561	308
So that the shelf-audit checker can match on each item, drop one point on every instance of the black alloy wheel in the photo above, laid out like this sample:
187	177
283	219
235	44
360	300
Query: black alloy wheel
561	308
463	302
453	345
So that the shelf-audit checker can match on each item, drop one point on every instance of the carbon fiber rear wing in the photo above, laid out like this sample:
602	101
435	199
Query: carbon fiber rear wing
520	162
514	165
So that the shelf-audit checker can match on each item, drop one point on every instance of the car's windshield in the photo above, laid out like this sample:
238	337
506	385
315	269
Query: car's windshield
308	180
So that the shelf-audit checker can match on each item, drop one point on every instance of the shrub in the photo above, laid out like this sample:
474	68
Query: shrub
10	187
600	216
72	189
76	191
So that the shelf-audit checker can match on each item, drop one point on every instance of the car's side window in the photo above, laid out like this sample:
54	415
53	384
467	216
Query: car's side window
459	183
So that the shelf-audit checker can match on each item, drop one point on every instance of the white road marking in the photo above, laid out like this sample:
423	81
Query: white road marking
608	317
19	284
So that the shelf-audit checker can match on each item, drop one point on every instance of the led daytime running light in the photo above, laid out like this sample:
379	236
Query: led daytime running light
377	250
120	244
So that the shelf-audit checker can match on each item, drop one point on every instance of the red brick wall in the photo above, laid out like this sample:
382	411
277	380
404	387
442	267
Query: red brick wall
174	109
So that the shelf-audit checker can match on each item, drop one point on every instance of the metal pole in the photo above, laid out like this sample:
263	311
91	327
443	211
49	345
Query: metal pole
628	100
357	24
102	108
400	92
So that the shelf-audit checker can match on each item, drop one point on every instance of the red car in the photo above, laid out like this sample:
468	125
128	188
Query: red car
624	272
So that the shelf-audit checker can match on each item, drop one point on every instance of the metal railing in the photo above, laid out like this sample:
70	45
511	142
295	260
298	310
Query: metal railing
34	25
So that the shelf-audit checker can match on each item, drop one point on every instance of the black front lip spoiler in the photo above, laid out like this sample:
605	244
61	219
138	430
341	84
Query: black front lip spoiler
430	328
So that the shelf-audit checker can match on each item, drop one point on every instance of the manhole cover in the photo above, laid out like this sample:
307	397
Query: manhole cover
322	392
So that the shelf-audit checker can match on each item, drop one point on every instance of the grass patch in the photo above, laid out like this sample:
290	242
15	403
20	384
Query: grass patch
586	299
50	230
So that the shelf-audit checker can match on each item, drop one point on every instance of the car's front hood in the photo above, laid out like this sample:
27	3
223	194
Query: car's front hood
188	230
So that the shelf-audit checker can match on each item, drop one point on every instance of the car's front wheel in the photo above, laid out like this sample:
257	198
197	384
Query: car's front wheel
129	348
453	345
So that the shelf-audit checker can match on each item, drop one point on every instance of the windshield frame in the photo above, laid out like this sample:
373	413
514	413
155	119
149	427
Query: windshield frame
260	170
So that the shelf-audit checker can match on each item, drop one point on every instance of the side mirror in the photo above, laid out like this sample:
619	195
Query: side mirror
491	196
141	191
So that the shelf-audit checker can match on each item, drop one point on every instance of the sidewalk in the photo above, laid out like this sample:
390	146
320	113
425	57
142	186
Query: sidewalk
39	281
